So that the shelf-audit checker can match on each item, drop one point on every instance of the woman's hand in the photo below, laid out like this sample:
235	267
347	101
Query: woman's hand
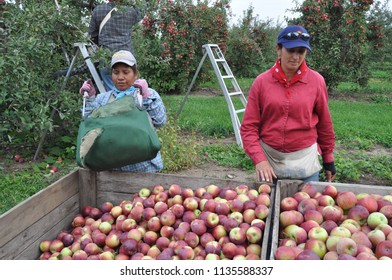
87	87
264	171
143	86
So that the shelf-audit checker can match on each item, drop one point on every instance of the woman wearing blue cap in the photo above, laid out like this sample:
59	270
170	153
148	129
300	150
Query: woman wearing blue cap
287	123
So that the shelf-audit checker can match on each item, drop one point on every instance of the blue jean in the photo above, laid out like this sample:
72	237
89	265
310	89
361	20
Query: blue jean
315	178
106	78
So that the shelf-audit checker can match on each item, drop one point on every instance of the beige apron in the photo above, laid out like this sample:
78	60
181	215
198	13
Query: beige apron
295	165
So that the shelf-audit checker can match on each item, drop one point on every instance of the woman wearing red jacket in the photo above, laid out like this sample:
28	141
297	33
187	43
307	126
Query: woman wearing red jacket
287	123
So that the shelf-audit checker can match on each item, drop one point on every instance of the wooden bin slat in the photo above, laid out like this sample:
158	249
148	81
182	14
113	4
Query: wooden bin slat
287	188
18	219
25	246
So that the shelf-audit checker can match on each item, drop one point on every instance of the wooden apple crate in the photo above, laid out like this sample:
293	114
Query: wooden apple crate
287	188
51	210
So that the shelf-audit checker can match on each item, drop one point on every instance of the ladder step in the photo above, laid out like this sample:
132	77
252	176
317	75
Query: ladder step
220	60
235	93
240	111
228	77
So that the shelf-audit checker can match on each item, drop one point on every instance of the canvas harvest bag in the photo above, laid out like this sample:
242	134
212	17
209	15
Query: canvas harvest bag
115	135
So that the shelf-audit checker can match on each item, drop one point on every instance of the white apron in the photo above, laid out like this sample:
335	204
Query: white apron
295	165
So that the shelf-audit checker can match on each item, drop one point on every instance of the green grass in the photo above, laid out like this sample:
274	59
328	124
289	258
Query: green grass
368	122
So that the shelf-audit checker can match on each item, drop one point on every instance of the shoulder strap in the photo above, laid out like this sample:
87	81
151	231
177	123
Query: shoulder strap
106	18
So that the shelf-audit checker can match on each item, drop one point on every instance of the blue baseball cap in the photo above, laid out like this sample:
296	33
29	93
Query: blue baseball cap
294	36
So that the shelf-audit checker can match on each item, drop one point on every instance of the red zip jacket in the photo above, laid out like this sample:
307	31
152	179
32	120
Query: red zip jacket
288	119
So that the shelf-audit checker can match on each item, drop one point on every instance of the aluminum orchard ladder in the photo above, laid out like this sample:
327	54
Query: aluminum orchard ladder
231	90
83	48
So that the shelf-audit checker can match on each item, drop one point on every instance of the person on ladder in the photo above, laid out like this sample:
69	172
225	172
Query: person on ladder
111	27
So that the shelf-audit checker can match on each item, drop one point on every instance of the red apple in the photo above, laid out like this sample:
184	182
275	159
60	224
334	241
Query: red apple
106	206
307	204
329	225
358	213
384	248
198	226
241	189
258	223
330	190
107	255
313	215
296	233
261	211
310	189
264	199
167	218
150	237
79	255
346	200
212	220
288	203
308	225
369	202
346	246
190	203
307	255
187	192
229	250
325	200
186	253
387	211
318	233
174	189
254	234
213	190
299	196
316	245
222	208
361	238
331	255
218	231
376	236
210	205
161	196
331	213
290	217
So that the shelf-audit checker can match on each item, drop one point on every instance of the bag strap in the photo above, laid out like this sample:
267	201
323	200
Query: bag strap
106	18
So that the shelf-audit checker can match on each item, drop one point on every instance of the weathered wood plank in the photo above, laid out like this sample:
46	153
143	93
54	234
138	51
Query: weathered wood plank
25	244
87	188
36	207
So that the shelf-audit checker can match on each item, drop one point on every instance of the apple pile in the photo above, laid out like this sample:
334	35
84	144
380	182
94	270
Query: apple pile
173	223
334	225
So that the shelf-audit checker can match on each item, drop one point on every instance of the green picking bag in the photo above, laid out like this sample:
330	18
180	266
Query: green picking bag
115	135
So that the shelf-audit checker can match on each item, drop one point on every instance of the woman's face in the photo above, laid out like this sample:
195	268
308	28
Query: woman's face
291	59
123	76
